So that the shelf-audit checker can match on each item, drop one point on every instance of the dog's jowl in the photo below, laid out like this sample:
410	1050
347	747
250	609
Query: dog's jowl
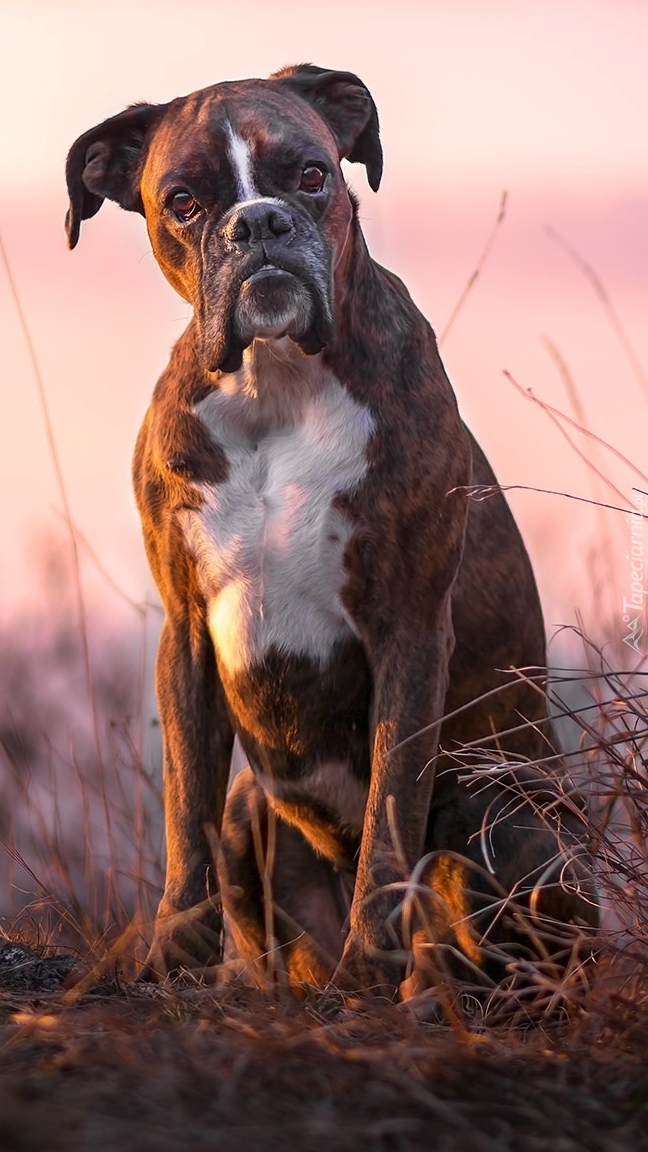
332	595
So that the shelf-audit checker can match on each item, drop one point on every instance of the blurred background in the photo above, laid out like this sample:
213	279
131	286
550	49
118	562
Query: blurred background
544	101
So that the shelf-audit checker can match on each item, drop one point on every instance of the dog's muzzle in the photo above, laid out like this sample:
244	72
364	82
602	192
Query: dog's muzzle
266	272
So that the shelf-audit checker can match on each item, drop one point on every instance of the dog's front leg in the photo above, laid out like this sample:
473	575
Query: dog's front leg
410	685
197	748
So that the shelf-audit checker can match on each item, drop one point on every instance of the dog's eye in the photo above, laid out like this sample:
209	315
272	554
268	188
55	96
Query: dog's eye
312	179
184	205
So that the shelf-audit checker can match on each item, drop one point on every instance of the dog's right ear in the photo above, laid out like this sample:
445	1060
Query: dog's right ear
105	164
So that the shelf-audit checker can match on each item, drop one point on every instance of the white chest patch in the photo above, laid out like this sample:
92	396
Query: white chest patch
268	543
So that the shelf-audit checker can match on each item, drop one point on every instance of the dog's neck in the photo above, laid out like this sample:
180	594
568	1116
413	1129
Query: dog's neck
274	382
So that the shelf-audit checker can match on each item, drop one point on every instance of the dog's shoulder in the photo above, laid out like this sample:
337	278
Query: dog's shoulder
174	451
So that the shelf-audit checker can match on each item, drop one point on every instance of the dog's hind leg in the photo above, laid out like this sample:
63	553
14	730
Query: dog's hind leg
507	882
285	906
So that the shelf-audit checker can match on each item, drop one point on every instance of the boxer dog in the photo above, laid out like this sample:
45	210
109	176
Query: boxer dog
332	595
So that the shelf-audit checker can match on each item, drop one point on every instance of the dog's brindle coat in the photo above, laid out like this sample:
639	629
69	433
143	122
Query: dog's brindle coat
330	593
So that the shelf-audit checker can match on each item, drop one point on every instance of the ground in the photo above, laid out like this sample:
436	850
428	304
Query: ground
90	1062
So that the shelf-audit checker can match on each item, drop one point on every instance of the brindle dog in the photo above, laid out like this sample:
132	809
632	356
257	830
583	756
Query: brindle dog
332	595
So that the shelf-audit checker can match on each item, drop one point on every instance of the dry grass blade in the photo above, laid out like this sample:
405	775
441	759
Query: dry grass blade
478	268
604	297
74	548
559	418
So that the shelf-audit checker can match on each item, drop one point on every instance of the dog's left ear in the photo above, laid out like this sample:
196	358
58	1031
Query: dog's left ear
104	164
346	105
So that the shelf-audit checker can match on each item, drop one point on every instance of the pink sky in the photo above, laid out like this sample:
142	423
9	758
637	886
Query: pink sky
545	100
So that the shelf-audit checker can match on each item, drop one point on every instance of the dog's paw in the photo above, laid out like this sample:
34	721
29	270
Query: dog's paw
363	968
184	941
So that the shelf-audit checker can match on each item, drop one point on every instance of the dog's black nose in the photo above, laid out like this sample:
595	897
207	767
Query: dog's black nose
259	221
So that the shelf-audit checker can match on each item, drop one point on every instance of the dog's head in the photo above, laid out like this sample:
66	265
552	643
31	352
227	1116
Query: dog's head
244	199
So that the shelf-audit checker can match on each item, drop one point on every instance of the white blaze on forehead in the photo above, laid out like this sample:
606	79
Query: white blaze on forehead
241	161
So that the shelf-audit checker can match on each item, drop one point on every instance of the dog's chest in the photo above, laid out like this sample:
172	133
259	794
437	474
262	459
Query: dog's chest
269	541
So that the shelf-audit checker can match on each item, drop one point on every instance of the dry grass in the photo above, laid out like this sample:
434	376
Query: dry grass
176	1068
88	1058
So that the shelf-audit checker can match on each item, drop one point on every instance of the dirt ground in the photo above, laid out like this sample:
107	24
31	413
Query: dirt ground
104	1065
